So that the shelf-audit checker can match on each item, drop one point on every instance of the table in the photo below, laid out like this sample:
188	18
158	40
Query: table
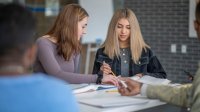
153	105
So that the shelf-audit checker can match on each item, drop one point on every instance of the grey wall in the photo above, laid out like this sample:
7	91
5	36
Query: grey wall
165	22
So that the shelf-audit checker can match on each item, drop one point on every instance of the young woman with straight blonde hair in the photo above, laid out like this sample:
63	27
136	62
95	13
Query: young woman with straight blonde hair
59	49
124	51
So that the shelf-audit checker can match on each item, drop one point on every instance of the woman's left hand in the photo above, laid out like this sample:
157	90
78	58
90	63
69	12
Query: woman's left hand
110	79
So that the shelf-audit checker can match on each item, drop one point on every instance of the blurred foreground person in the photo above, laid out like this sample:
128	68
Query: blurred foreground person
21	91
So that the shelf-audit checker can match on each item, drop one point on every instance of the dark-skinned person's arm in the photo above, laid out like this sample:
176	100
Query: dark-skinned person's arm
173	95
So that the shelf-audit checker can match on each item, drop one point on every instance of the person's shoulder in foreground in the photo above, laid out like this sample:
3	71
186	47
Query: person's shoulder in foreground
20	90
36	93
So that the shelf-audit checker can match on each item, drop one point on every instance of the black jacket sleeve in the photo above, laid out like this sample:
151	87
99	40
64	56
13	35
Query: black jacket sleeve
154	67
97	65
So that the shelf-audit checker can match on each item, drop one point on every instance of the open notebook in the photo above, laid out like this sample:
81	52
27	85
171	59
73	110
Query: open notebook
151	80
106	99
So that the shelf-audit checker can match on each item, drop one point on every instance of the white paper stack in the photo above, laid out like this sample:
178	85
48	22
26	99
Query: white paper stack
151	80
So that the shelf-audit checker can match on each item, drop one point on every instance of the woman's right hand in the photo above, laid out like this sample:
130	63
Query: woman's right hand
105	68
110	79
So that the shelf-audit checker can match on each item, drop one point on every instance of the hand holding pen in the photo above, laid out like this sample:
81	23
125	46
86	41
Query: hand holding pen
105	68
120	81
123	83
108	79
133	87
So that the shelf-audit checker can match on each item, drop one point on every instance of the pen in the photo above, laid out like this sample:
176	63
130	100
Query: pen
112	73
108	91
123	83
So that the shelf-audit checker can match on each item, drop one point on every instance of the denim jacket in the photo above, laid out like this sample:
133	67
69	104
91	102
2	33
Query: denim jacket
148	64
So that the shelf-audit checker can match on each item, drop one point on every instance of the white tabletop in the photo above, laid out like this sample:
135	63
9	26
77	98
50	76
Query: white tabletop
102	94
132	108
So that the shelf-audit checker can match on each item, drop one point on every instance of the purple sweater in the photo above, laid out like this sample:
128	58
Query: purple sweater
49	62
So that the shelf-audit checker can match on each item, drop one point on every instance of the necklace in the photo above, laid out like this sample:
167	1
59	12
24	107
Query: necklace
12	69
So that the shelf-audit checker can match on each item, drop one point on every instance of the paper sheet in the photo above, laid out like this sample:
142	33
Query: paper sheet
113	101
152	80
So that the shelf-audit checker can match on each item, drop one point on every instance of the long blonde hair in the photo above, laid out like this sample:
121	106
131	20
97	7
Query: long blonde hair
137	43
65	30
